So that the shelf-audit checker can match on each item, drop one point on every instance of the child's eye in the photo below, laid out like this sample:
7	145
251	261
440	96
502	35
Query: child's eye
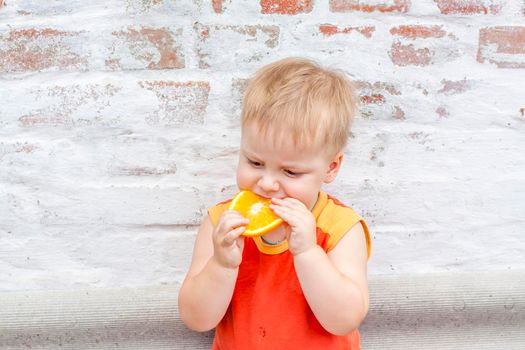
291	173
254	163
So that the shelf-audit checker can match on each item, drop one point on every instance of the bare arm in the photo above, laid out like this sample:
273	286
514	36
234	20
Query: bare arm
335	284
208	287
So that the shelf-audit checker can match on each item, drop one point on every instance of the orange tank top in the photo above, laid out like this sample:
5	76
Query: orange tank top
268	309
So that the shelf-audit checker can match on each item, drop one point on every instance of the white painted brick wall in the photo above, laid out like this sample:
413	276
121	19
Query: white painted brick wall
118	128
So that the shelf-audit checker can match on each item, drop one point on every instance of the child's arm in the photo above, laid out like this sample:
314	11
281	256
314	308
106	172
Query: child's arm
208	287
334	284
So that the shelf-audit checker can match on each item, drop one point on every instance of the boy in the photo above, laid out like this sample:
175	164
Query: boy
302	285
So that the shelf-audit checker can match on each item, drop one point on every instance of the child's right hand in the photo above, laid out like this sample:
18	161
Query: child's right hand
227	241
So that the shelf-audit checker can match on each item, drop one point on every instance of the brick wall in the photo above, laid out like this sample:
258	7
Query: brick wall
119	126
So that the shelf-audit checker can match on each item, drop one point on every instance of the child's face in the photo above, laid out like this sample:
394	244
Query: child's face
273	168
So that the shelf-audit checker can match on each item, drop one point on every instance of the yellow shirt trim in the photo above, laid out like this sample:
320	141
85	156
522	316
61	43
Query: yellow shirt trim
334	220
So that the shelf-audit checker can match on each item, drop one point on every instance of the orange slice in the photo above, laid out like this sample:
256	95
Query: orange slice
255	208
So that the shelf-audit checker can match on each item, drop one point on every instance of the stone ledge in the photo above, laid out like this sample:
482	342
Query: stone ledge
431	311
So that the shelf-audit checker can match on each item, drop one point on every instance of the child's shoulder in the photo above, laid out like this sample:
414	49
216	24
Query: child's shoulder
337	218
215	211
333	209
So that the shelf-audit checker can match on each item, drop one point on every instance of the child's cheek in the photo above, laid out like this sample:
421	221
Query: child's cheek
245	177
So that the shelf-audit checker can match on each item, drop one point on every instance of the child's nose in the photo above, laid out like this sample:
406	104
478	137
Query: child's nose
268	183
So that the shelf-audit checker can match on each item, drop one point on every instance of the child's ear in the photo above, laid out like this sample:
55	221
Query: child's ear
333	167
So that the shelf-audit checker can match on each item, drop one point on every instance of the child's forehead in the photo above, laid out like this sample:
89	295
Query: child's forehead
276	139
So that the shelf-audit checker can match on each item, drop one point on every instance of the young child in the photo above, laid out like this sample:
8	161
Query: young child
304	284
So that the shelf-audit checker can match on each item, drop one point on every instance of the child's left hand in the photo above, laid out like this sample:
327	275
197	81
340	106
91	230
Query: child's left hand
300	232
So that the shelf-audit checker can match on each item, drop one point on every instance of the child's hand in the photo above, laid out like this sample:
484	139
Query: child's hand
300	233
227	241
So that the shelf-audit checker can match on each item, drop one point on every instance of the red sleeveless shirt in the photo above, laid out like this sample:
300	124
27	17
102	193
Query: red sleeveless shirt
268	309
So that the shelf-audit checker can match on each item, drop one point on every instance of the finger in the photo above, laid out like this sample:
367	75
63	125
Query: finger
292	216
232	214
230	221
286	208
288	202
278	201
232	236
224	235
283	212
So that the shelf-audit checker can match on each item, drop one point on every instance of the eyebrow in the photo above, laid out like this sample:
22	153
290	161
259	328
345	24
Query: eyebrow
252	155
249	154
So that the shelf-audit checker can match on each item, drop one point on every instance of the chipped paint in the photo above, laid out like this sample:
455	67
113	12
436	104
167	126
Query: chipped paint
180	103
62	104
286	7
218	44
40	49
329	30
156	47
218	6
503	46
418	31
112	112
469	7
450	87
442	112
369	6
408	55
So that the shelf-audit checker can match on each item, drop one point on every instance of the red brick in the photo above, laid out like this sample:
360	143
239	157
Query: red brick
369	6
373	98
286	7
442	112
25	147
503	46
377	95
33	49
329	30
217	5
180	103
144	44
468	7
412	48
19	147
398	113
239	86
69	105
226	45
418	31
38	119
408	55
451	87
13	153
373	88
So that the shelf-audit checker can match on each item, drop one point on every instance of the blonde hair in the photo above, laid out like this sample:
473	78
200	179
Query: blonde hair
298	98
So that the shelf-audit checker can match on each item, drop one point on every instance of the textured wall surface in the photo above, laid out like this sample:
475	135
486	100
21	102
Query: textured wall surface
119	126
